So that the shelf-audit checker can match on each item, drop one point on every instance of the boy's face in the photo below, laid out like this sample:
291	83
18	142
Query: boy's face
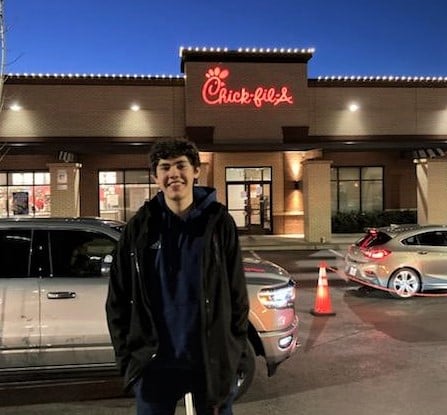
175	177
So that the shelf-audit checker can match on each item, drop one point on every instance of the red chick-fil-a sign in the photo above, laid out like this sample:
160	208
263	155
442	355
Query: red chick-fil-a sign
215	92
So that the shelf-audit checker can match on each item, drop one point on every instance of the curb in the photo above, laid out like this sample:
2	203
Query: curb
340	242
291	247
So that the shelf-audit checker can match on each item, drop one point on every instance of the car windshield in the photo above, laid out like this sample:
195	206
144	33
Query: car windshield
373	238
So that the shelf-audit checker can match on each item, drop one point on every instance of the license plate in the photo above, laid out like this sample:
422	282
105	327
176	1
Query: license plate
352	271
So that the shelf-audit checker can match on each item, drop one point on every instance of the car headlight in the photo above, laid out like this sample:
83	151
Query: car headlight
278	297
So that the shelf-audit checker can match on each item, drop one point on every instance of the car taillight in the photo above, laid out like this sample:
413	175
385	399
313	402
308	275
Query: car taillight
376	253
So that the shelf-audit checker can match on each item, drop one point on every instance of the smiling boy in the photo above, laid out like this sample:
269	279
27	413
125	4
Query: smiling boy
177	306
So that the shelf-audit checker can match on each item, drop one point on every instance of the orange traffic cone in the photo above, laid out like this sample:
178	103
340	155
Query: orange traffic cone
323	305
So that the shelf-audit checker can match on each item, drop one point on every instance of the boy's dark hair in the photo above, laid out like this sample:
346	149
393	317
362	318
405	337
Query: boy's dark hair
171	148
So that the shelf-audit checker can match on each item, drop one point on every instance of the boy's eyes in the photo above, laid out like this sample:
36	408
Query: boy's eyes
179	166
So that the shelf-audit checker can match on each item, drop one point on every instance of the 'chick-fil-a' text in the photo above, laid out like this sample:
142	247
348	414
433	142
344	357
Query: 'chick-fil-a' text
215	92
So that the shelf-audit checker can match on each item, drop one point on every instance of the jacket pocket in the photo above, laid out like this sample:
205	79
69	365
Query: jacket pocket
133	373
140	359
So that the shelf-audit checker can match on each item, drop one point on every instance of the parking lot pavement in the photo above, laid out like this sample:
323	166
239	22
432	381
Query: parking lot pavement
376	355
93	407
99	407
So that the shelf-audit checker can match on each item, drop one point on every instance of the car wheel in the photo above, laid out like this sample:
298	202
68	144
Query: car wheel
404	283
245	378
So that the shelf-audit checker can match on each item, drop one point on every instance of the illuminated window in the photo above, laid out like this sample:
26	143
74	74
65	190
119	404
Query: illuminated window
357	189
25	194
122	192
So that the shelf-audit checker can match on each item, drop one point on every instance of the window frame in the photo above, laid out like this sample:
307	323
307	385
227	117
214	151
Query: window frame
123	211
362	182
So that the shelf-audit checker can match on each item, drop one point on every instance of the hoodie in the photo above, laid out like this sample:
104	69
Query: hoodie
178	284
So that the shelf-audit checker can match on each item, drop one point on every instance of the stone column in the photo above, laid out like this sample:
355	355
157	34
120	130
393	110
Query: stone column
65	199
317	200
432	191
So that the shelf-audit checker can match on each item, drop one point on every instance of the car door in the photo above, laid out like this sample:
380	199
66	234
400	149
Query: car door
19	301
433	257
73	294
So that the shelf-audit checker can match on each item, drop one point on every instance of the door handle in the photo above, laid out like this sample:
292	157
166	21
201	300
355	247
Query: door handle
422	252
60	295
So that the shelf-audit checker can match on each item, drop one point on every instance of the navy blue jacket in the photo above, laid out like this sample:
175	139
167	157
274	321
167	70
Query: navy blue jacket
223	299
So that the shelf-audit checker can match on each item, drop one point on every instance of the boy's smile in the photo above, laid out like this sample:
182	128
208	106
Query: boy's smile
175	178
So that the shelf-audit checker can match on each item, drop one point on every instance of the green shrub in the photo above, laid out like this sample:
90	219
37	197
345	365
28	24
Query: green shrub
356	222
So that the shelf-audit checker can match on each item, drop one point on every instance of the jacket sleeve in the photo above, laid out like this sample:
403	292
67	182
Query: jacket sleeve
238	286
118	303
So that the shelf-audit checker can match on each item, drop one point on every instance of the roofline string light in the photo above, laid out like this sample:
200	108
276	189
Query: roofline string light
163	76
246	50
276	50
383	78
92	75
182	76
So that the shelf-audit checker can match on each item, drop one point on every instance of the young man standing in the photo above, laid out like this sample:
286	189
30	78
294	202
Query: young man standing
177	306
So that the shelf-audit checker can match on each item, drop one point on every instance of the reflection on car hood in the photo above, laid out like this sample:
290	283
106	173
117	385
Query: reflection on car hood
262	272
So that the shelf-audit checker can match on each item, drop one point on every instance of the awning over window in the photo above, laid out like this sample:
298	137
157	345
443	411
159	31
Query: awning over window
427	153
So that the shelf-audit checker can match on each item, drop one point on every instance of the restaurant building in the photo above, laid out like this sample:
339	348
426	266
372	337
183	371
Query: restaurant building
284	151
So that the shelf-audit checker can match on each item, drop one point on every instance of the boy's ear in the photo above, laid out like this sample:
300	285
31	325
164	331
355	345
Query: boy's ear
155	179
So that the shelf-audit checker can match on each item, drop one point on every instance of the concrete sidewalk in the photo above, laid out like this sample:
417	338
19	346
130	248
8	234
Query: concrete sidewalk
339	242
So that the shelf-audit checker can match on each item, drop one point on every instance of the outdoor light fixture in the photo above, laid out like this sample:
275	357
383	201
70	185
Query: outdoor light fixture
298	184
15	107
66	156
353	107
135	107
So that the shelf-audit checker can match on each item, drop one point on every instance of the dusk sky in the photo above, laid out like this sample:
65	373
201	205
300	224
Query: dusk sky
350	37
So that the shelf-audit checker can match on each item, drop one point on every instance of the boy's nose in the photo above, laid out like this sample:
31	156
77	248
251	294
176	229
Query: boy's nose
174	171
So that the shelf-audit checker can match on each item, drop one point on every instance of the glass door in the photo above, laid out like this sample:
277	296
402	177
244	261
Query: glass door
249	204
249	198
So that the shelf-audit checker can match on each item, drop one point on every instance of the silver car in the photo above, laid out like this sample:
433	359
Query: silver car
402	259
53	286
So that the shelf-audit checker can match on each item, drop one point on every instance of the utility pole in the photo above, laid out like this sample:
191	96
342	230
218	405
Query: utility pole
3	49
3	146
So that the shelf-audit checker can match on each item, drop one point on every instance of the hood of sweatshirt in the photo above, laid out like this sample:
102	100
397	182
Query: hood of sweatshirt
202	197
